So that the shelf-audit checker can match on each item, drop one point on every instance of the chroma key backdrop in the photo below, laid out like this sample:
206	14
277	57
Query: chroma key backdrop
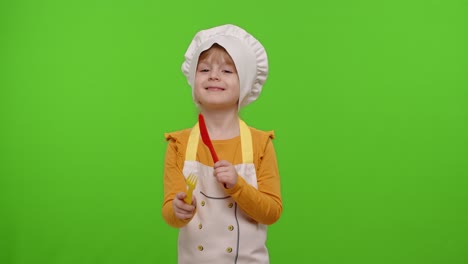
368	101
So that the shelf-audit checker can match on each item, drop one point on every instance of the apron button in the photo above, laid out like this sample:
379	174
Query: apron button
229	250
230	205
200	248
200	226
202	203
230	228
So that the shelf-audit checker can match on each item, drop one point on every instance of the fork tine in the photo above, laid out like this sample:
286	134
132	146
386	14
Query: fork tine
192	179
191	182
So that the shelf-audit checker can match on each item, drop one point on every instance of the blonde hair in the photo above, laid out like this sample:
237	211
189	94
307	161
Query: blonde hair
216	52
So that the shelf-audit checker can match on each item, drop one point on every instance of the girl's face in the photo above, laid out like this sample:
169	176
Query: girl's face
216	80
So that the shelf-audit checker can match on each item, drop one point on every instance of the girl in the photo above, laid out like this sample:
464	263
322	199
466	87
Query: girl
238	196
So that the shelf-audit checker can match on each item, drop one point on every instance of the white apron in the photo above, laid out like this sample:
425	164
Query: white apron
220	232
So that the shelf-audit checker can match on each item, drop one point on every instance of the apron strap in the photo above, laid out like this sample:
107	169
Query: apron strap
192	144
246	143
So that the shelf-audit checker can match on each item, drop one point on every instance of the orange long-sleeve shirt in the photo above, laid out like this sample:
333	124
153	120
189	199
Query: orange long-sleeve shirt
264	204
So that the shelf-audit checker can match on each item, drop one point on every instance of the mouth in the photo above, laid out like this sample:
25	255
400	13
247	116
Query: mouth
214	88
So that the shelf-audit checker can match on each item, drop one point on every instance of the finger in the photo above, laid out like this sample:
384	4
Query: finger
222	163
216	172
184	206
194	201
181	195
180	205
219	176
184	211
222	170
184	216
225	174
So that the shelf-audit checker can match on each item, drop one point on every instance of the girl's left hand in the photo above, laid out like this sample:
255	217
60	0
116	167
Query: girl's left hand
225	173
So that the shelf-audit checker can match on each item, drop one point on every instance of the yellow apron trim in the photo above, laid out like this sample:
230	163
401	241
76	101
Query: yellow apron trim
246	143
192	144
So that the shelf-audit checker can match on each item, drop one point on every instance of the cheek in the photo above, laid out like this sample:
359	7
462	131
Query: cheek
196	91
197	86
195	97
237	87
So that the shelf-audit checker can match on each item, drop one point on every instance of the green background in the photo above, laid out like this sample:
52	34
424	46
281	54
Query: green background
368	100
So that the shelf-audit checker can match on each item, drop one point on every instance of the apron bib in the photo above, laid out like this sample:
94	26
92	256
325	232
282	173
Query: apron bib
220	232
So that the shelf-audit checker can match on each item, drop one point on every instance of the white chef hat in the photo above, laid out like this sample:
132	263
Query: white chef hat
248	54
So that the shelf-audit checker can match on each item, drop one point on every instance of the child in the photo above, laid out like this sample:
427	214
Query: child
238	196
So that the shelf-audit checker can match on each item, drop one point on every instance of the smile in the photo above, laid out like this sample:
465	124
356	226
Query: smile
214	89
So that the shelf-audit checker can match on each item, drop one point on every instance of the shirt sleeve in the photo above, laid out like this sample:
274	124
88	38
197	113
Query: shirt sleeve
174	180
264	204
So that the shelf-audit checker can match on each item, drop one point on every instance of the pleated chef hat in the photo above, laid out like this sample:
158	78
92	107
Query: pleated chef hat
248	54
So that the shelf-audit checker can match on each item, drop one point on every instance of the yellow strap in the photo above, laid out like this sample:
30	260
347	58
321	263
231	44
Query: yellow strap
246	143
192	144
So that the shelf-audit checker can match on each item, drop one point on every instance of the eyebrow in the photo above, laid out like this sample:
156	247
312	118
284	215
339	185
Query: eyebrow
224	63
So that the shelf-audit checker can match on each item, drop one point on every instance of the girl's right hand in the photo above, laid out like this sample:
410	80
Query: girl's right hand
182	210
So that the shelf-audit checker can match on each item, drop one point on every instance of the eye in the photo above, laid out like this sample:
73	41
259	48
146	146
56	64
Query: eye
204	70
227	71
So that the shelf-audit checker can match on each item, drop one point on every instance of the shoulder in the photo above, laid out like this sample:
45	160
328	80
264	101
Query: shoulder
178	136
262	134
261	139
262	142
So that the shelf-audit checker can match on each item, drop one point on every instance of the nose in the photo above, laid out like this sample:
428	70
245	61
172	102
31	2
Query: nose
214	76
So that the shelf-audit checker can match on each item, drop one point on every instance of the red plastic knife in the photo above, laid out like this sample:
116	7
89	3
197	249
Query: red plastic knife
206	138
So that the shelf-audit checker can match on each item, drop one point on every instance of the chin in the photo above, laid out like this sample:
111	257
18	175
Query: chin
218	106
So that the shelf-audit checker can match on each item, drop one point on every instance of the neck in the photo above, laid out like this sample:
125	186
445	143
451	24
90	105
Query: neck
221	124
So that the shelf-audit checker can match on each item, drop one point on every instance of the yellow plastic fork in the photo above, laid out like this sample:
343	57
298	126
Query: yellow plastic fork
191	183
